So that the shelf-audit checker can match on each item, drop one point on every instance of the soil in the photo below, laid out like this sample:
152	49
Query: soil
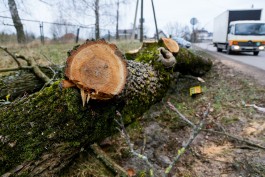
159	134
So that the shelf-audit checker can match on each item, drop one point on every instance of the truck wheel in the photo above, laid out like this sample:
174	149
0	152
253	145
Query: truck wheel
228	50
256	53
219	49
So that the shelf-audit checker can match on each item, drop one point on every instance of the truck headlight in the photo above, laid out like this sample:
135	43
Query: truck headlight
236	47
261	47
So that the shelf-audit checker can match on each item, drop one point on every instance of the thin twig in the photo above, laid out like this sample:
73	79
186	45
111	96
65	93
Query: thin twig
195	132
13	56
144	144
16	69
47	59
193	77
128	141
236	138
32	65
108	161
172	107
51	80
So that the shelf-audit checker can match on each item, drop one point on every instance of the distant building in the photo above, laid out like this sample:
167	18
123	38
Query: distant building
127	33
160	34
68	37
203	35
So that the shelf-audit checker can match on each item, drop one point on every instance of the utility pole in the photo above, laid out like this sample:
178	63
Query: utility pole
142	21
157	36
135	17
117	20
77	35
41	33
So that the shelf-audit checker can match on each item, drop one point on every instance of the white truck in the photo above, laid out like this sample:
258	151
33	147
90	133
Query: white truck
239	31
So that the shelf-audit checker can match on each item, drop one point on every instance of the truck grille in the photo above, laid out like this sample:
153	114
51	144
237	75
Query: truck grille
249	43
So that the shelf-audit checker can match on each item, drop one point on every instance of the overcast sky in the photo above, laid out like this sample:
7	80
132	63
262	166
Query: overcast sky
167	11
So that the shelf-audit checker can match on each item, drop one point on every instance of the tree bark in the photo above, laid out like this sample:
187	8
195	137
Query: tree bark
96	10
42	133
187	61
21	82
117	20
17	22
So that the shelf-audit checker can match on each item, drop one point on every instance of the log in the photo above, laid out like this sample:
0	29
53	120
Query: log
188	63
42	133
21	82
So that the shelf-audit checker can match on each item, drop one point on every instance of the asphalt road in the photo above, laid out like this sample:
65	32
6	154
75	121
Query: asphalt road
246	63
246	58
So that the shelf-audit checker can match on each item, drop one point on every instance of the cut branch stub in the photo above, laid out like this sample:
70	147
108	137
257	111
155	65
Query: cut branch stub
98	69
171	45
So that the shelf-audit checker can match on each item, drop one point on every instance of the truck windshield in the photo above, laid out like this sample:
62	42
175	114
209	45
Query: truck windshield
250	29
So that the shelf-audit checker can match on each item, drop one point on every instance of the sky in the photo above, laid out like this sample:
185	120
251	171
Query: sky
167	11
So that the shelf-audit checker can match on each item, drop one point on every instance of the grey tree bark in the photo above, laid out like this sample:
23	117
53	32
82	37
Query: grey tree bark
17	22
117	20
96	10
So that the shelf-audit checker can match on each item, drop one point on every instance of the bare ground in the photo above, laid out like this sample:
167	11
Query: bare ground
159	134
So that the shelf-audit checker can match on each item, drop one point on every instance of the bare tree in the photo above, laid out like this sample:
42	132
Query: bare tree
117	20
96	11
186	34
61	27
89	8
118	2
17	22
178	30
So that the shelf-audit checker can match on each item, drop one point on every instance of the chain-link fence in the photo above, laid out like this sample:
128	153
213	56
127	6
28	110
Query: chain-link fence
50	32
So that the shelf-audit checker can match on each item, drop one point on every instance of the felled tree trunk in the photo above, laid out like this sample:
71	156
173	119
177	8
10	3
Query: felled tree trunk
21	82
41	134
187	62
25	82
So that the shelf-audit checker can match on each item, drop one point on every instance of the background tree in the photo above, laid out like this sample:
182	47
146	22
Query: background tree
60	27
118	2
178	30
17	22
84	8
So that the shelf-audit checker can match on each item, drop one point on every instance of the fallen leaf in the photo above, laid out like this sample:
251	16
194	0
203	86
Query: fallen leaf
131	172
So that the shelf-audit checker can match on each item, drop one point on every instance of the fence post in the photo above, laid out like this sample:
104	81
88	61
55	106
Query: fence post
77	35
109	35
41	33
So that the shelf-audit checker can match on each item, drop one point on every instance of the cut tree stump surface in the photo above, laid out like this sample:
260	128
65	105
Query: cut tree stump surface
98	68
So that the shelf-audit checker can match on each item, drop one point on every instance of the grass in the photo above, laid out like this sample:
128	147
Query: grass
53	53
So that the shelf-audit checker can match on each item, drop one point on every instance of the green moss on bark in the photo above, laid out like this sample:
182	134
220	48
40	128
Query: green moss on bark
55	118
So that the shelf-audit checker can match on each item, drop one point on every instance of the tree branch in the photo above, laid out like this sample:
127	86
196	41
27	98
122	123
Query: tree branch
13	56
108	161
32	65
196	130
236	138
128	141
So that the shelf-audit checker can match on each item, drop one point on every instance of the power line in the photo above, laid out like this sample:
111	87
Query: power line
53	23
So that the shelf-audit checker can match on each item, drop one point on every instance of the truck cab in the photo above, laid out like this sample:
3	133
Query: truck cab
246	36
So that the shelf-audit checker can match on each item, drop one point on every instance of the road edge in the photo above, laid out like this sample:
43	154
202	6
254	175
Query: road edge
257	73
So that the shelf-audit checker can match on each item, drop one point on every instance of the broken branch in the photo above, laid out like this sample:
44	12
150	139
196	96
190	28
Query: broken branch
128	141
108	161
196	130
236	138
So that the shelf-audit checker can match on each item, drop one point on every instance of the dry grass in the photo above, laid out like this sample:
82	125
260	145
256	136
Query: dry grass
50	52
